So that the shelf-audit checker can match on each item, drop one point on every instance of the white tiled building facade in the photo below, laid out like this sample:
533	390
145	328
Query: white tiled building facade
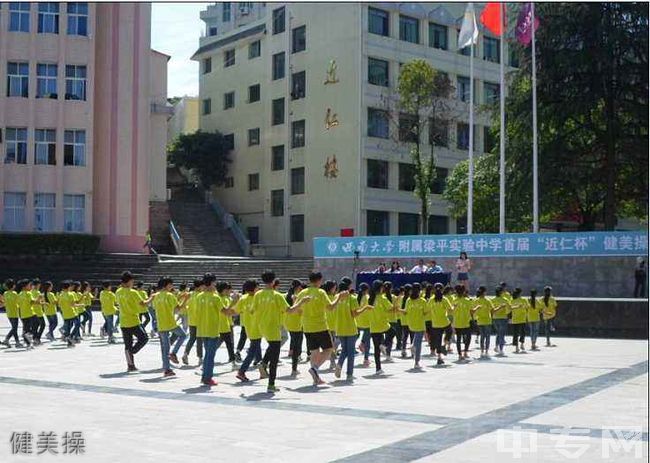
295	86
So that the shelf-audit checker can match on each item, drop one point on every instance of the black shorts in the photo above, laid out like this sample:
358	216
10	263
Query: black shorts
319	340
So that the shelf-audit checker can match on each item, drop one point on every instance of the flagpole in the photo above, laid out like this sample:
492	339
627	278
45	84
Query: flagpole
535	173
502	136
470	183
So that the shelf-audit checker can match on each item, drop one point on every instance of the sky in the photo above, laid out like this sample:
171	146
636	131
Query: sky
175	31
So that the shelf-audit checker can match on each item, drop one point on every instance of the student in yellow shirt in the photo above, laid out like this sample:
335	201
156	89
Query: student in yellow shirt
225	327
166	304
131	302
391	317
68	304
10	302
330	289
379	306
143	311
504	291
533	318
87	313
39	323
519	309
246	308
416	310
78	308
49	308
293	324
107	301
500	312
363	324
449	293
26	303
463	307
549	310
192	322
346	329
439	311
483	314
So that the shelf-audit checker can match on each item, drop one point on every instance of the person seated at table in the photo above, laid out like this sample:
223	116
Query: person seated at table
395	267
434	267
381	268
419	268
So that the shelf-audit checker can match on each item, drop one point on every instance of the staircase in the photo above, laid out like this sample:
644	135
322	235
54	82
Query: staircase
202	232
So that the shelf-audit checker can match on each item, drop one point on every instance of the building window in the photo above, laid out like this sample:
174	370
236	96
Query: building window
19	16
253	136
297	228
438	36
409	29
378	72
462	136
377	174
491	51
277	157
465	51
298	181
298	85
45	147
74	213
18	79
254	49
207	106
74	148
491	92
229	182
278	21
44	207
75	82
16	146
298	134
229	142
277	111
46	80
229	100
378	22
299	39
207	65
463	89
48	18
277	70
438	132
14	211
377	223
406	177
489	140
439	181
77	18
228	58
438	225
212	31
253	182
277	203
253	234
408	128
225	13
254	93
408	224
377	123
514	57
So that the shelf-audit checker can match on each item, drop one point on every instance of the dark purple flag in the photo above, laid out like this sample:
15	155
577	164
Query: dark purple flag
524	30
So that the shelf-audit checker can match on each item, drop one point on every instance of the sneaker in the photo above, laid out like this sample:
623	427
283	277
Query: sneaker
440	362
522	347
417	367
173	358
111	340
403	353
5	343
337	371
71	343
379	372
388	359
131	368
272	389
238	357
295	373
314	376
496	349
19	345
169	373
209	382
382	348
263	372
241	376
349	378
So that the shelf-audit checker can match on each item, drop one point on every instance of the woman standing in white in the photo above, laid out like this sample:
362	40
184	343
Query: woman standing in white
463	266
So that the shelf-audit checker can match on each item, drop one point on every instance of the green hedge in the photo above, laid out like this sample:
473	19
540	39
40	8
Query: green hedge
48	243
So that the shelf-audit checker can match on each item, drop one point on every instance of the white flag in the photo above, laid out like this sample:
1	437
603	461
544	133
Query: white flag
468	31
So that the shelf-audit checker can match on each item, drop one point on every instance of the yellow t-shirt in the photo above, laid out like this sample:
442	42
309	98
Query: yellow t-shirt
483	315
416	313
462	314
519	309
38	308
209	306
548	311
11	303
363	320
252	325
533	313
225	321
50	305
143	296
270	307
26	304
242	307
107	302
344	322
164	304
129	300
66	302
87	299
313	312
502	307
78	300
378	320
293	321
440	311
506	295
192	308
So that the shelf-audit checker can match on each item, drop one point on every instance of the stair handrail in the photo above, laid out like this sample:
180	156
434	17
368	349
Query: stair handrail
176	238
230	223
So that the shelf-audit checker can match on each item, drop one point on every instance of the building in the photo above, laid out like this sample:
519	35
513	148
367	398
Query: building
83	120
300	90
185	118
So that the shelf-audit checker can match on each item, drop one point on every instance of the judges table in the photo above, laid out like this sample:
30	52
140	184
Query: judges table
400	279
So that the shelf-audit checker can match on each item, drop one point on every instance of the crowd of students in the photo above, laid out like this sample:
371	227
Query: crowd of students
332	319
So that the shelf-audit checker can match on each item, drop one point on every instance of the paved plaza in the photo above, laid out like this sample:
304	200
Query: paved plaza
541	406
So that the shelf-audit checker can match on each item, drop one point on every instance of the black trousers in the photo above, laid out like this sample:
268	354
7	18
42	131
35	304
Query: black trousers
29	327
190	343
230	345
39	327
377	341
435	339
639	287
243	336
145	318
518	333
295	345
135	332
273	356
13	332
464	335
390	335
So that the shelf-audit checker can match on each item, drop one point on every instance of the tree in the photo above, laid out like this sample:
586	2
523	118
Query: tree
592	97
423	93
205	153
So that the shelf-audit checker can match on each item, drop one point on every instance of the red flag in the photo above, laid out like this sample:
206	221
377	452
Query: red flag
490	17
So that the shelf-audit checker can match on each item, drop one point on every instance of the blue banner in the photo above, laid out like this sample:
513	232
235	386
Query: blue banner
487	245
